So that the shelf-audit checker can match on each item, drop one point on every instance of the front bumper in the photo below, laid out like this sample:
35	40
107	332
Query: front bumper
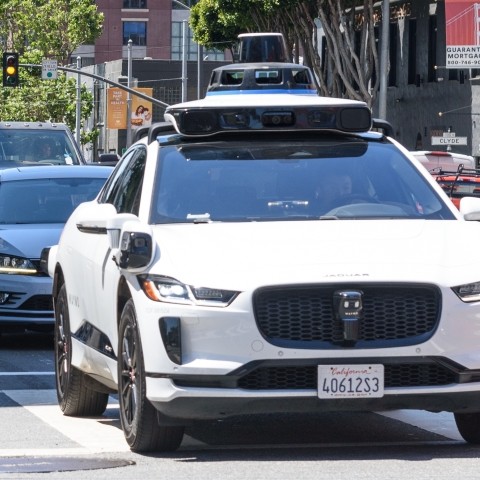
245	359
28	302
188	404
433	384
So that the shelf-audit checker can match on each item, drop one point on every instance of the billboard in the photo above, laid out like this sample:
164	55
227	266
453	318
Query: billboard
462	34
141	109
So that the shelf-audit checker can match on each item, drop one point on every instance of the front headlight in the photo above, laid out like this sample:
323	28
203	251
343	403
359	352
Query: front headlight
469	292
166	289
16	265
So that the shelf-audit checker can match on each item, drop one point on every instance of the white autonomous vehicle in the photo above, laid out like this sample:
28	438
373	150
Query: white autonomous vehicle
266	253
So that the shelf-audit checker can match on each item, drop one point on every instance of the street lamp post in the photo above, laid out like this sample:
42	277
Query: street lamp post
129	95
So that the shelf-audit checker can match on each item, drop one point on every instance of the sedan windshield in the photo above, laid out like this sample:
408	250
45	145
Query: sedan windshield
24	147
332	178
49	200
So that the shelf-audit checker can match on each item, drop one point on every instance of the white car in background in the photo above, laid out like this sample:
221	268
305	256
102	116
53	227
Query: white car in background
434	161
264	254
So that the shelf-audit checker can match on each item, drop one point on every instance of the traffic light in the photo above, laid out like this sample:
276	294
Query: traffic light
10	69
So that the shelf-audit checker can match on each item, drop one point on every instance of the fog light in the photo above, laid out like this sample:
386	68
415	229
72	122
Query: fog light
4	296
172	338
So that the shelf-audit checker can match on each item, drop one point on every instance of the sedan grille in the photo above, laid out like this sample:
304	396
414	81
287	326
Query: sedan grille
305	377
305	317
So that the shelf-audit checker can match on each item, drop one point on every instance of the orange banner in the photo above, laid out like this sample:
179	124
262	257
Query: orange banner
116	108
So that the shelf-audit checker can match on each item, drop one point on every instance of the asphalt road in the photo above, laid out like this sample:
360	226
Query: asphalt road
37	441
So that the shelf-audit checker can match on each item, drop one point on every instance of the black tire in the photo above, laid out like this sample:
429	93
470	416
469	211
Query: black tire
138	416
468	425
74	397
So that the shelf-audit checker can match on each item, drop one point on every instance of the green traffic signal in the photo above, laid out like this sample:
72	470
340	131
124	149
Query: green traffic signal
10	69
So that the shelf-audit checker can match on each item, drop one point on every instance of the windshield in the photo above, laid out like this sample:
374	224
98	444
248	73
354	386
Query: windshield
309	179
45	200
20	147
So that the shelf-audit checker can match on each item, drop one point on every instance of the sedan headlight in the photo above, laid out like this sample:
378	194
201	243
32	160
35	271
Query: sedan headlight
469	292
166	289
16	265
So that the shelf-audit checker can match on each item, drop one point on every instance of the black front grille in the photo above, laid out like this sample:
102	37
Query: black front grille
305	377
39	303
305	317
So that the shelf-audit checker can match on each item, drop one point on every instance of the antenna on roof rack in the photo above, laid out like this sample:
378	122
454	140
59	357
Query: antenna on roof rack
383	125
160	127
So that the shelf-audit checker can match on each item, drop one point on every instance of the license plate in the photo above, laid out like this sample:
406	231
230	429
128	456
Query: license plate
350	381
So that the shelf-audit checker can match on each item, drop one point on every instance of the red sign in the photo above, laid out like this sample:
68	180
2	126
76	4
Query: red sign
462	33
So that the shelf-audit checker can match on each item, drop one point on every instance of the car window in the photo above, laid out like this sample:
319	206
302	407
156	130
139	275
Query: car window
29	146
294	179
124	188
45	200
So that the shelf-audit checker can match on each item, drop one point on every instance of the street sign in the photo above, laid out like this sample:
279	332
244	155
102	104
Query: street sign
449	138
49	69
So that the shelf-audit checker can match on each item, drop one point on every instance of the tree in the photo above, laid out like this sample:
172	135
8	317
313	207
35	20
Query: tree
214	27
39	29
348	65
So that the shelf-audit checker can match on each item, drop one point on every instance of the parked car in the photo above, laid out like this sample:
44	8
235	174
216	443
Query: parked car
272	255
463	182
435	161
109	158
35	203
37	143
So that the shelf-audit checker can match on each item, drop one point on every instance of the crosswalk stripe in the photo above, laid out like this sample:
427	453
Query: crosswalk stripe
89	433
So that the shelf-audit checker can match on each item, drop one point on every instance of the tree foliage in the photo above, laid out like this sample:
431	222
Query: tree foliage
41	29
346	68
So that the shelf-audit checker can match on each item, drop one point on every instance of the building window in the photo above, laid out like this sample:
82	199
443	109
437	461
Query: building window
135	31
134	3
192	48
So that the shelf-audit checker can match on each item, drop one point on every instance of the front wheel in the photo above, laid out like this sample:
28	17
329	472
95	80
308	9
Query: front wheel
138	416
468	425
74	397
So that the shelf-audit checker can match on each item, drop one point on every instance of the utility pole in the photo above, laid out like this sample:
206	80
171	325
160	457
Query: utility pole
79	101
184	60
199	70
129	95
382	100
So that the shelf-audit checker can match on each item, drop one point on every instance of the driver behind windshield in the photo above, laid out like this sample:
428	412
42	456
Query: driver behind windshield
46	150
333	187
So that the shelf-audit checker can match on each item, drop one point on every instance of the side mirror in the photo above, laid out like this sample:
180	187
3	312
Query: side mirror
44	260
135	250
470	208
